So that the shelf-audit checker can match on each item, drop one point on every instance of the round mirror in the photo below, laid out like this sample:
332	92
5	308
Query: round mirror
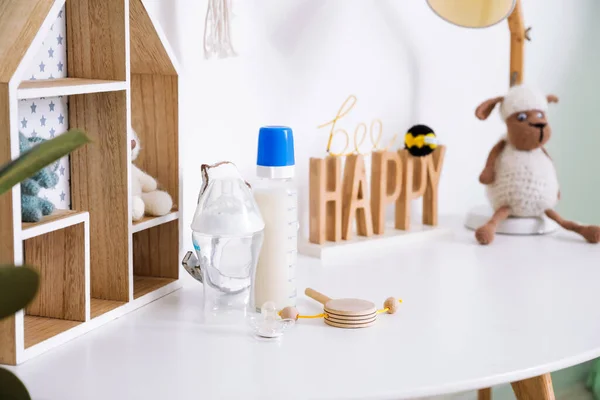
473	13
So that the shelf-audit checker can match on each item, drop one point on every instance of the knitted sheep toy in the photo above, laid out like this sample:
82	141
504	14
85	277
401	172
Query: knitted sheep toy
519	174
146	198
33	208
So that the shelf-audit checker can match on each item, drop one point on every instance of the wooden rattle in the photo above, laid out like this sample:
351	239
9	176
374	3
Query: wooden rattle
347	313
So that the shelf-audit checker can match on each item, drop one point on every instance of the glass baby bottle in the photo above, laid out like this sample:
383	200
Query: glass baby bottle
227	233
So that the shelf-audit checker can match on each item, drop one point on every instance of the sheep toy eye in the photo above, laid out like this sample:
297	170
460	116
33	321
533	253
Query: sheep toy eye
521	117
540	115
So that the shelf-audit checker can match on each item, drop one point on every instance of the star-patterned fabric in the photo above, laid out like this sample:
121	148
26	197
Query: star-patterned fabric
49	117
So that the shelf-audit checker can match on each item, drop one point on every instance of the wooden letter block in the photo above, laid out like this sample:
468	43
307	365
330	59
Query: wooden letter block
414	183
386	184
325	200
434	163
355	201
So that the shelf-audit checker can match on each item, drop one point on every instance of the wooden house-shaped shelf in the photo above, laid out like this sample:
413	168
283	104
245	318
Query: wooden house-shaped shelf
94	263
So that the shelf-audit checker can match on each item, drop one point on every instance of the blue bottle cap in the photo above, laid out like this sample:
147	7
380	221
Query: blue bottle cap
275	152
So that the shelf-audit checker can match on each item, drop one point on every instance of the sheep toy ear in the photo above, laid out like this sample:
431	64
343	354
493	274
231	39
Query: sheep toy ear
552	98
485	109
135	144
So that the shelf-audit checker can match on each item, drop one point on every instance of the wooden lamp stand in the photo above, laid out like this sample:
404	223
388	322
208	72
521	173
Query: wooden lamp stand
538	387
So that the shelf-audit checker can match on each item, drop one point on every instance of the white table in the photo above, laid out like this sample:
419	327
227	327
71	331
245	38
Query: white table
472	317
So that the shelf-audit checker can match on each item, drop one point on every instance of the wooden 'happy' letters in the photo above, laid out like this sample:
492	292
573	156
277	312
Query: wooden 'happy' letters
325	204
386	185
355	204
396	177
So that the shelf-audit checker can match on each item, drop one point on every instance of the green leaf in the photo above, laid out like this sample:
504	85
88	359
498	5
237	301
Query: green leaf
11	387
39	157
18	286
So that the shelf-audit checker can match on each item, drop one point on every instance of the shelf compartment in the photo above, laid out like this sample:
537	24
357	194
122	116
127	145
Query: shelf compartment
154	116
61	258
151	222
59	219
143	285
66	87
39	329
100	307
155	257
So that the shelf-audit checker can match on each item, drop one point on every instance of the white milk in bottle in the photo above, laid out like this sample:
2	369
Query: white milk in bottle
276	196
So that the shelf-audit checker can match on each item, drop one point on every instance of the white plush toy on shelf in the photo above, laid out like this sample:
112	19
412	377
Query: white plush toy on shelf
146	198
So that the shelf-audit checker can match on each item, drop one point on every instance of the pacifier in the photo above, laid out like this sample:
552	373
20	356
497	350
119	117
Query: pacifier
268	324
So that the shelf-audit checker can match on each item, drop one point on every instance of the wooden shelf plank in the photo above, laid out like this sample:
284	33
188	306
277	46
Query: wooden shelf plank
99	306
8	210
38	329
143	285
66	87
151	222
59	219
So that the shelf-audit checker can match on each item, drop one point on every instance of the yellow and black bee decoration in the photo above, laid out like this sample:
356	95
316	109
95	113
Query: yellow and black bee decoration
420	140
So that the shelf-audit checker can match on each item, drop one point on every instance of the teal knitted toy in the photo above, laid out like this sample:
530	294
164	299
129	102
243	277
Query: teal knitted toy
34	207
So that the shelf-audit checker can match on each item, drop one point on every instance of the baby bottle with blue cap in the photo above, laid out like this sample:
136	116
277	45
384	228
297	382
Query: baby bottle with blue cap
277	198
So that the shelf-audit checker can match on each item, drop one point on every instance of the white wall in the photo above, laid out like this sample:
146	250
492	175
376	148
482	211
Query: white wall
298	60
